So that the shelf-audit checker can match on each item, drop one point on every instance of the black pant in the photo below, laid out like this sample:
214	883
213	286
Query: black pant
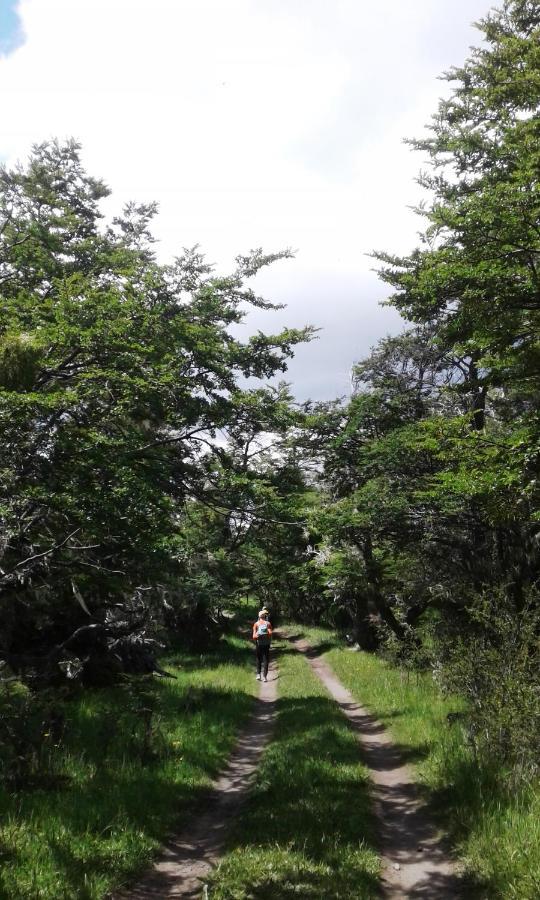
263	658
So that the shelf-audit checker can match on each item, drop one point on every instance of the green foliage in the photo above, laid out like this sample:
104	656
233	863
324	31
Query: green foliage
116	373
19	361
32	732
497	667
429	500
144	489
429	475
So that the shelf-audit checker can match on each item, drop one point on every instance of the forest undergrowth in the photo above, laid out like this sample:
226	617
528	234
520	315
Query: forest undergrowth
131	763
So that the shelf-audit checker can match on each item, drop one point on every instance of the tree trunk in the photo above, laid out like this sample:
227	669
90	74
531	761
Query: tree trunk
478	393
373	576
364	632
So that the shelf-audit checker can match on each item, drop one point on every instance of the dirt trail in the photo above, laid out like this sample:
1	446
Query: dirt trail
416	863
186	859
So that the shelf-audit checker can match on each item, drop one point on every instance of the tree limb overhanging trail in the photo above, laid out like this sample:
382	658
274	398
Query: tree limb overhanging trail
187	858
416	861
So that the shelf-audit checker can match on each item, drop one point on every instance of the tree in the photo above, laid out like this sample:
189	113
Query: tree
115	374
475	278
431	471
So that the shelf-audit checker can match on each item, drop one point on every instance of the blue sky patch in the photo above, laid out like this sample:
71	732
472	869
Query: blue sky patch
11	33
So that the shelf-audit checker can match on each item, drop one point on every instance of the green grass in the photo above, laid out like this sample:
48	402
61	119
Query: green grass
114	795
110	796
307	829
496	829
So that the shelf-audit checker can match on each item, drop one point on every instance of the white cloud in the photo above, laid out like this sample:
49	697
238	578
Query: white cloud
252	122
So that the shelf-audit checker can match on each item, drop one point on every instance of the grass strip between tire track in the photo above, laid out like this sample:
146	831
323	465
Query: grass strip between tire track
307	829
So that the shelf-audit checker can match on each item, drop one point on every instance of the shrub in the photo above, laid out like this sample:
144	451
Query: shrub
32	729
496	666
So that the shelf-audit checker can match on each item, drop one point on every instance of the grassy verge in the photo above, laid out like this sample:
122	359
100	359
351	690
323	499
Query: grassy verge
122	778
307	829
496	830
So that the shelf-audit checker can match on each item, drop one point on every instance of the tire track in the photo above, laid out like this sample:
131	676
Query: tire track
187	859
416	862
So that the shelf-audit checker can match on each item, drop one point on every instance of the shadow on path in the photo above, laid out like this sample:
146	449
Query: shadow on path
307	831
417	860
187	858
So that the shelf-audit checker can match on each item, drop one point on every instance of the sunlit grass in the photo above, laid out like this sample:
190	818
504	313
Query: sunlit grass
496	829
307	830
119	795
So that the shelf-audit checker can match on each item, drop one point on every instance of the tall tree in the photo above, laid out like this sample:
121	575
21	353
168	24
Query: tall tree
115	374
474	280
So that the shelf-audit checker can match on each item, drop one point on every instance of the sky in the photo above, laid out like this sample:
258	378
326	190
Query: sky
253	123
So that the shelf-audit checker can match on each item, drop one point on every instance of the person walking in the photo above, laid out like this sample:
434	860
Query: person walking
262	635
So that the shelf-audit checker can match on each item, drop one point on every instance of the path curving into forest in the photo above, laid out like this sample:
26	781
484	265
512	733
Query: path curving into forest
186	859
416	861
